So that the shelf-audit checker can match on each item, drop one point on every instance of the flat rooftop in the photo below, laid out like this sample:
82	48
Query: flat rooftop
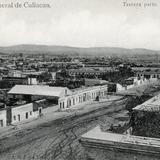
97	136
152	105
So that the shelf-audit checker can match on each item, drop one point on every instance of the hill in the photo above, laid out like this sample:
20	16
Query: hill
57	50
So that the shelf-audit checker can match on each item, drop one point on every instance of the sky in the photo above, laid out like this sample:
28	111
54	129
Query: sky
82	23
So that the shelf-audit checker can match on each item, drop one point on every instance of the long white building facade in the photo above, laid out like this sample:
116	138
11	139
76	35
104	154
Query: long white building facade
66	99
80	96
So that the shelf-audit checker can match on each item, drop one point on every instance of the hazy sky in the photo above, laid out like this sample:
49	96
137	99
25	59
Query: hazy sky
82	23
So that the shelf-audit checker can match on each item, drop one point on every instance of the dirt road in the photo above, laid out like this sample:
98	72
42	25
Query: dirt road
58	139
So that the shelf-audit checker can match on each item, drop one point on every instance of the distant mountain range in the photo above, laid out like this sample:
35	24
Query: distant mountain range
58	50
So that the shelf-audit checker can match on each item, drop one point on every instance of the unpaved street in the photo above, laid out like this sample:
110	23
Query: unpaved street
58	139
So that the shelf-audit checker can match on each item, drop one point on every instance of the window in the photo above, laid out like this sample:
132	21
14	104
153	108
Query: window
30	112
65	91
26	115
60	104
14	117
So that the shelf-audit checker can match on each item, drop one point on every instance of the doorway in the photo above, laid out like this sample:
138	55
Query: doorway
26	115
40	111
19	118
1	123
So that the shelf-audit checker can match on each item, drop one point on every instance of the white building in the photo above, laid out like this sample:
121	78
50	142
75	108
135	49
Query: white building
24	112
137	81
21	112
80	96
32	81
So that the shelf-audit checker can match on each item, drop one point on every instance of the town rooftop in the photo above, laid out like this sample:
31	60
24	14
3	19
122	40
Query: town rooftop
152	105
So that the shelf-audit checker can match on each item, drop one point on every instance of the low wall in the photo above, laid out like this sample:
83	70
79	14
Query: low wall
100	145
100	153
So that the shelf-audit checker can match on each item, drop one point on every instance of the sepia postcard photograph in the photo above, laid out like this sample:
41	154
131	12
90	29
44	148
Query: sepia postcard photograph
79	80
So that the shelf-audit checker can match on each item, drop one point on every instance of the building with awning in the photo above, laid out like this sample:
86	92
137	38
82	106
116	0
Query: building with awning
64	97
30	101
